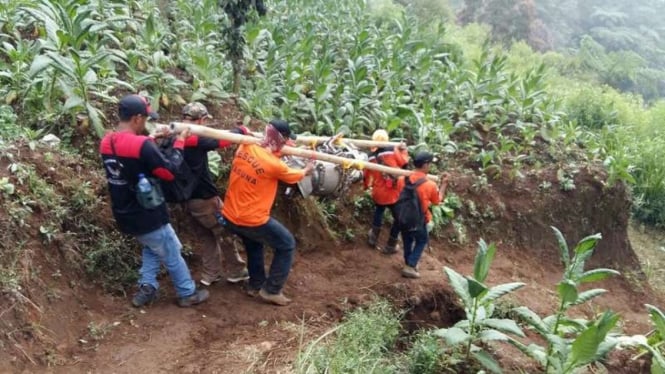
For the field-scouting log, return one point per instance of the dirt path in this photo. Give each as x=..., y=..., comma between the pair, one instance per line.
x=234, y=333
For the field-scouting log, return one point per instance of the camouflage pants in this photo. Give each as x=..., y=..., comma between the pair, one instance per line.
x=217, y=249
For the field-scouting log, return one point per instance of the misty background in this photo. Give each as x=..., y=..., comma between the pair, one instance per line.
x=620, y=43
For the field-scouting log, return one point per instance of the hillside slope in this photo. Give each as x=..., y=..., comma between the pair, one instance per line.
x=60, y=315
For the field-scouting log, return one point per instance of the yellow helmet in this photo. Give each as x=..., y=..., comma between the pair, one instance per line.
x=380, y=135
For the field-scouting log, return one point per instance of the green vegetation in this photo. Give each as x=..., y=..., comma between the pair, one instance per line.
x=479, y=303
x=507, y=100
x=361, y=342
x=366, y=341
x=356, y=65
x=572, y=343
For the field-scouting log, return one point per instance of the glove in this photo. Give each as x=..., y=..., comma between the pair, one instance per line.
x=242, y=130
x=430, y=226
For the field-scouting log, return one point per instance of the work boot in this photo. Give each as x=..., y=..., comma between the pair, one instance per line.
x=238, y=276
x=207, y=280
x=251, y=292
x=196, y=298
x=277, y=299
x=146, y=295
x=373, y=236
x=391, y=247
x=410, y=272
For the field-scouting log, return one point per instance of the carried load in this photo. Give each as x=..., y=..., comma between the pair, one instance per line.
x=339, y=163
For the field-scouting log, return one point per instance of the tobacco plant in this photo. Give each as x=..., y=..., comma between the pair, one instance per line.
x=571, y=343
x=479, y=302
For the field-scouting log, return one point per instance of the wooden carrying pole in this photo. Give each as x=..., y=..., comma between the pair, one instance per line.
x=304, y=153
x=314, y=140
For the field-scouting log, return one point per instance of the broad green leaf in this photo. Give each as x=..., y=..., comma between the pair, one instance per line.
x=476, y=289
x=563, y=247
x=567, y=291
x=459, y=284
x=588, y=243
x=90, y=77
x=38, y=65
x=96, y=119
x=532, y=319
x=73, y=102
x=657, y=360
x=500, y=290
x=532, y=350
x=584, y=348
x=487, y=361
x=607, y=322
x=453, y=335
x=597, y=275
x=585, y=296
x=658, y=319
x=483, y=261
x=504, y=325
x=492, y=335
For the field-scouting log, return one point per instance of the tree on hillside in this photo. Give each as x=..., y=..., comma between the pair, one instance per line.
x=238, y=11
x=510, y=20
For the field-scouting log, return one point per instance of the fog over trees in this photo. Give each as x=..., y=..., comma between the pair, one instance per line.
x=621, y=42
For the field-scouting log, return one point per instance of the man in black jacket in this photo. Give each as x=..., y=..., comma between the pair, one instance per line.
x=126, y=155
x=205, y=203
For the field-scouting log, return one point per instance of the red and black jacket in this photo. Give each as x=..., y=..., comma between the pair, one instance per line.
x=125, y=156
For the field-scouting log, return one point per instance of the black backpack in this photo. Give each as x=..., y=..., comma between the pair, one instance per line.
x=182, y=187
x=407, y=211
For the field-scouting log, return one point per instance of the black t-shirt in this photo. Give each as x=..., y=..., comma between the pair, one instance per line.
x=125, y=156
x=196, y=157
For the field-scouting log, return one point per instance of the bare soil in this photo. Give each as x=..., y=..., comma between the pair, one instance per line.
x=71, y=325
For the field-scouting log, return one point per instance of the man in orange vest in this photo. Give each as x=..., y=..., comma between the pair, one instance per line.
x=255, y=173
x=428, y=194
x=384, y=188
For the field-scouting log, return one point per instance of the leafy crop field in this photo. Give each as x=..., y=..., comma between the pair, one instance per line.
x=493, y=106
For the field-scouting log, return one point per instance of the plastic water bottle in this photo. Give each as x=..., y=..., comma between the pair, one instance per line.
x=220, y=219
x=144, y=184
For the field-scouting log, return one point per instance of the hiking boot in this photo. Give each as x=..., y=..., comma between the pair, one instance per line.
x=207, y=280
x=238, y=276
x=410, y=272
x=252, y=292
x=146, y=295
x=196, y=298
x=373, y=236
x=391, y=247
x=277, y=299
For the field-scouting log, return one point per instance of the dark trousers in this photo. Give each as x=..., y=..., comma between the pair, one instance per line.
x=378, y=219
x=280, y=239
x=414, y=244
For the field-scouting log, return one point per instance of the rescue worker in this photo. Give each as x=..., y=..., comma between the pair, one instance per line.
x=384, y=189
x=205, y=203
x=130, y=158
x=428, y=194
x=255, y=173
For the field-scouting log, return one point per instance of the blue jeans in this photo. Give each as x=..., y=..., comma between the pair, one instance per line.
x=378, y=219
x=283, y=243
x=163, y=246
x=414, y=244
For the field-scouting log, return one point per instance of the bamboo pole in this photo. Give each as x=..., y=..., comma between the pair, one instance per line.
x=315, y=140
x=300, y=152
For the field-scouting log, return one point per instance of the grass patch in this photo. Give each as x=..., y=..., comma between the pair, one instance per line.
x=360, y=344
